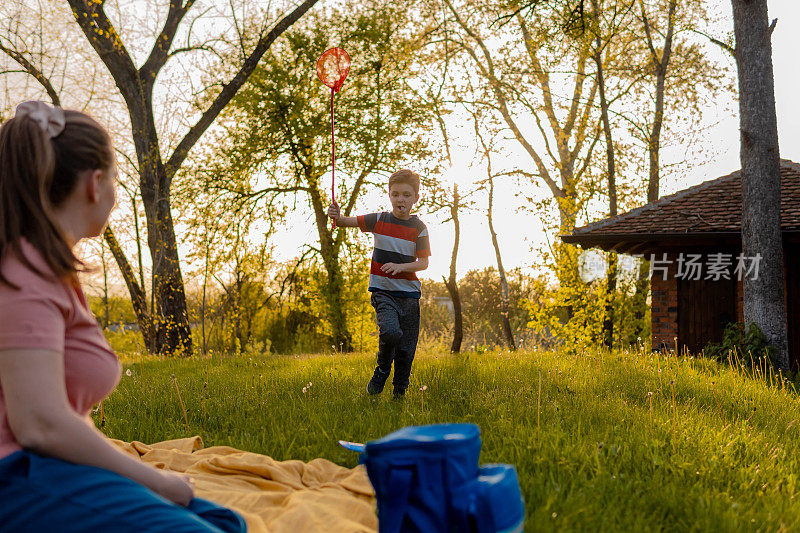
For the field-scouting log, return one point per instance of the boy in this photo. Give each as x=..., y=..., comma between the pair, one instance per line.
x=401, y=249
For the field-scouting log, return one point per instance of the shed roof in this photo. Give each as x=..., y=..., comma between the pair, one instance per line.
x=704, y=215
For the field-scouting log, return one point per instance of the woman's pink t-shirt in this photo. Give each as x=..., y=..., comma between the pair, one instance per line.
x=46, y=314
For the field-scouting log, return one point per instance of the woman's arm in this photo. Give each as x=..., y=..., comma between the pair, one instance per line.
x=42, y=420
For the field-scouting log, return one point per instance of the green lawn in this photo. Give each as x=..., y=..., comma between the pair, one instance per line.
x=711, y=449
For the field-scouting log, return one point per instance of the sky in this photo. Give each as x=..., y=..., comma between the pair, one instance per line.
x=520, y=232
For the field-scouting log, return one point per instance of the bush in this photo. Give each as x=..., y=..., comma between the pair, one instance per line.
x=748, y=346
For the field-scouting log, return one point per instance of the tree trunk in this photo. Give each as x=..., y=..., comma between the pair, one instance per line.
x=138, y=240
x=203, y=303
x=334, y=291
x=451, y=283
x=654, y=152
x=611, y=290
x=764, y=298
x=509, y=334
x=104, y=264
x=174, y=333
x=340, y=335
x=640, y=299
x=661, y=67
x=138, y=297
x=611, y=274
x=237, y=306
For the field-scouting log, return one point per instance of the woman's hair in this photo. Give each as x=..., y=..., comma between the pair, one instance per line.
x=41, y=154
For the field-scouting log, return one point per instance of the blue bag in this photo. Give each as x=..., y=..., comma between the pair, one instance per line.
x=427, y=480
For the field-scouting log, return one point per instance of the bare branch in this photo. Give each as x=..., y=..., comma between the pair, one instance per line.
x=230, y=88
x=160, y=52
x=725, y=46
x=34, y=72
x=192, y=48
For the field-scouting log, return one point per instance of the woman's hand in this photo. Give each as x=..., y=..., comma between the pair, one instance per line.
x=175, y=487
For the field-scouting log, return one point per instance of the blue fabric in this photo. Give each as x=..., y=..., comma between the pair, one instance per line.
x=498, y=489
x=45, y=494
x=419, y=474
x=426, y=479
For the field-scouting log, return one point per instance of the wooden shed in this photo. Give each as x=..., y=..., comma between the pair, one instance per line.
x=693, y=238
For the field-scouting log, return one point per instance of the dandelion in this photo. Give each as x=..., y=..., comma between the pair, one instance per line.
x=128, y=373
x=305, y=389
x=423, y=388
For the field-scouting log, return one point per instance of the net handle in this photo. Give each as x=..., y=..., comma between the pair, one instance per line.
x=333, y=158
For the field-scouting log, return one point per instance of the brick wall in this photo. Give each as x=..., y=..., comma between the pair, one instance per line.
x=664, y=314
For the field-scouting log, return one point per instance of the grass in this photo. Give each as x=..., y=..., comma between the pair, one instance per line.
x=622, y=441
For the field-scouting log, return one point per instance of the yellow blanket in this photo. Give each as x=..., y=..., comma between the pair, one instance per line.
x=272, y=496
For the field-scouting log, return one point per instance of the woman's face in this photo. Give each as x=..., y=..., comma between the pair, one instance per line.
x=107, y=198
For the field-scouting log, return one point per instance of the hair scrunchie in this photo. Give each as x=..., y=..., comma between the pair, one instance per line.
x=50, y=119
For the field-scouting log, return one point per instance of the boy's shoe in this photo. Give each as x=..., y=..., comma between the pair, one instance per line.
x=375, y=385
x=398, y=394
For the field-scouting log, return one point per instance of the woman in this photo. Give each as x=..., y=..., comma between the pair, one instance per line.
x=57, y=472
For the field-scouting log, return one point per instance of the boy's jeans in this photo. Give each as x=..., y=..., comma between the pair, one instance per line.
x=398, y=325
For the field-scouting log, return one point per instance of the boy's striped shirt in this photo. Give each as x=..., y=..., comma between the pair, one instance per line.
x=396, y=241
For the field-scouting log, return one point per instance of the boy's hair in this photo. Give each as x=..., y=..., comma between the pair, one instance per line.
x=409, y=177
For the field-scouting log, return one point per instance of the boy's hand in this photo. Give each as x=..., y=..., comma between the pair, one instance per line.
x=333, y=211
x=393, y=268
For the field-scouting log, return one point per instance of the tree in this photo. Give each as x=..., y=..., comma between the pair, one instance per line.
x=136, y=85
x=276, y=143
x=504, y=299
x=600, y=45
x=508, y=83
x=450, y=282
x=764, y=297
x=440, y=198
x=661, y=64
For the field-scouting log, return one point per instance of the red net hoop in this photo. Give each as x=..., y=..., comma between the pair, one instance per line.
x=333, y=67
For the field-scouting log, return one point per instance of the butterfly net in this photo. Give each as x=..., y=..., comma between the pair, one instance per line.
x=333, y=67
